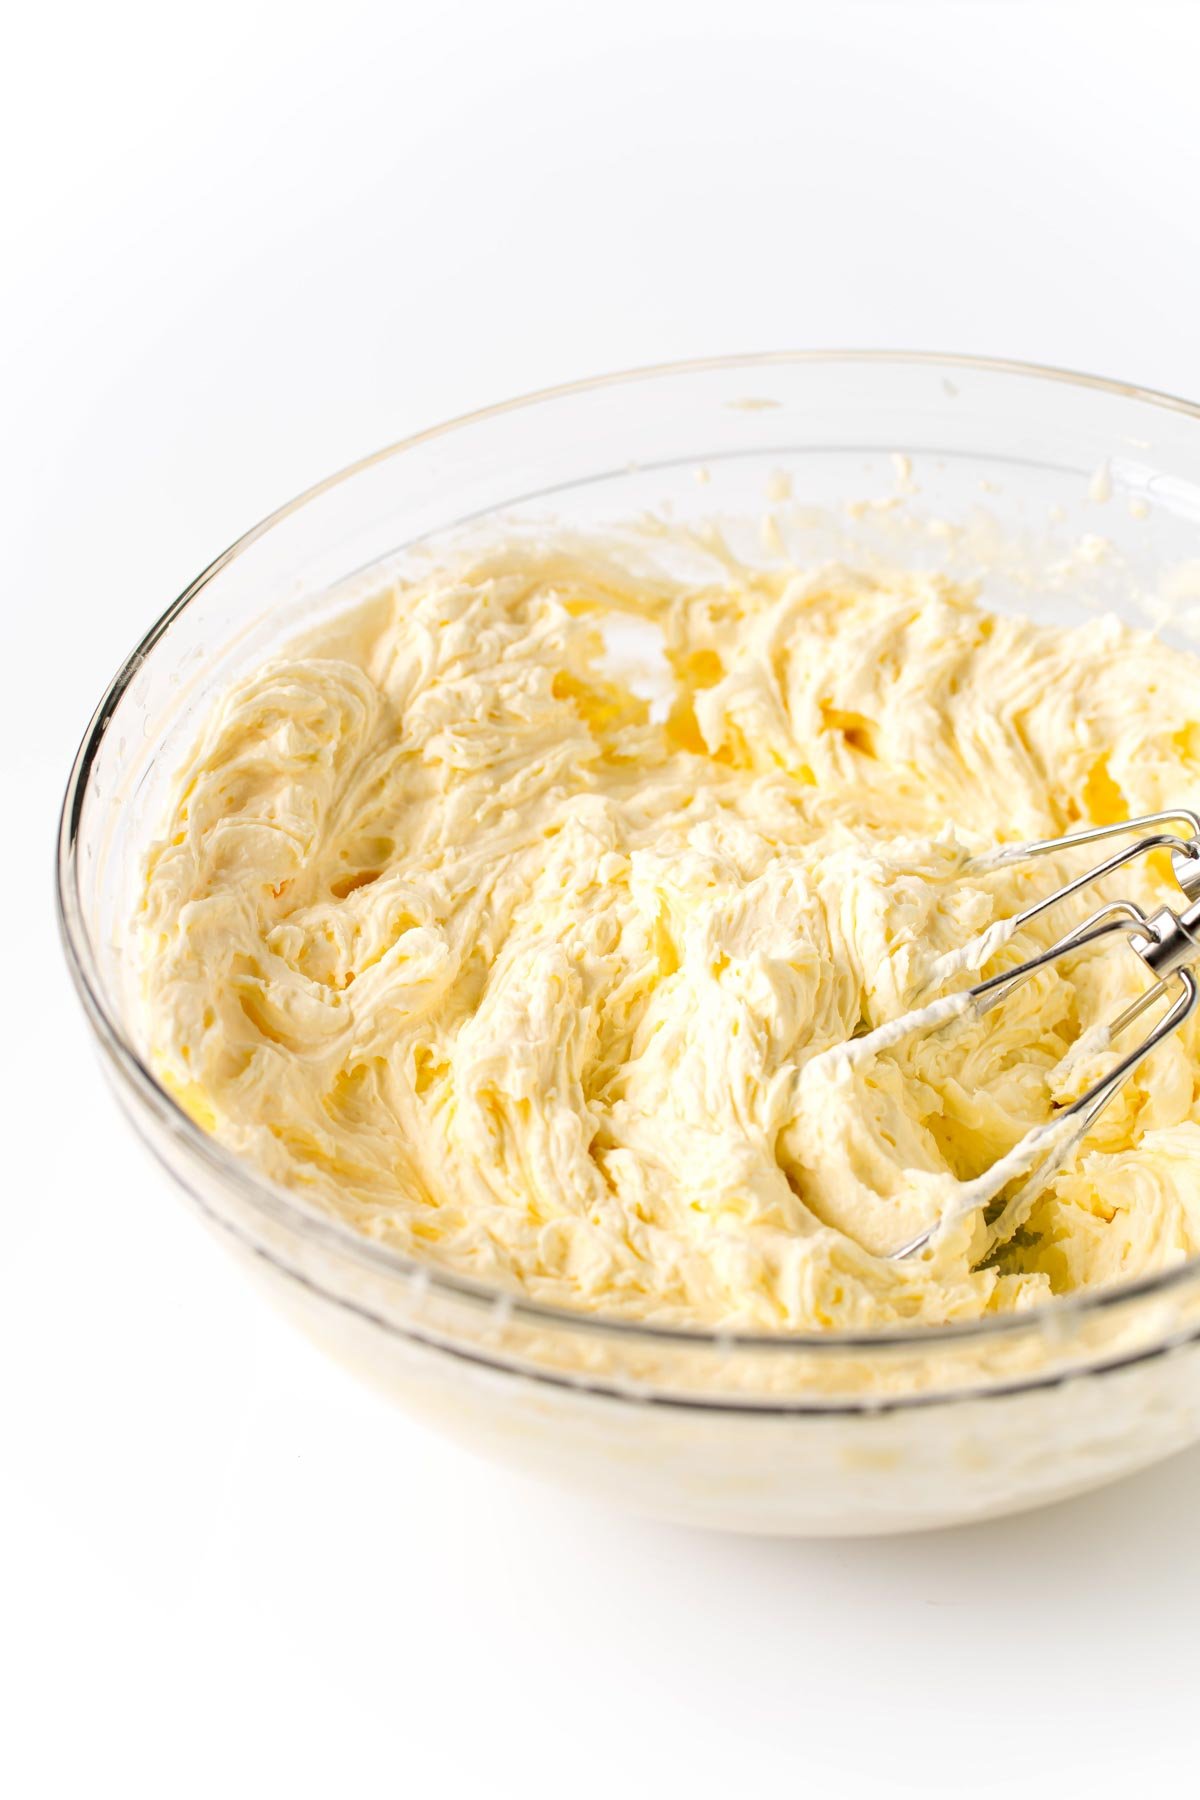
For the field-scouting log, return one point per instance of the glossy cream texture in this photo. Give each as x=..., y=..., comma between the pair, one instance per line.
x=456, y=935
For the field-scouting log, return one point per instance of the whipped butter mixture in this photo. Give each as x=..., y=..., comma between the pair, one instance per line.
x=457, y=936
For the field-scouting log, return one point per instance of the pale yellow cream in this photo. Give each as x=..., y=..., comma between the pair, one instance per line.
x=455, y=935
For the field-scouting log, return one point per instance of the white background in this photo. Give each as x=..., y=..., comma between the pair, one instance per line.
x=244, y=244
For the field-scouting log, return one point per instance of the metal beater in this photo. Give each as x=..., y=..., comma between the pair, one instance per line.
x=1167, y=941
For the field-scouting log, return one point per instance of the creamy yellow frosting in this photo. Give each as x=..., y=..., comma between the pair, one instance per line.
x=526, y=973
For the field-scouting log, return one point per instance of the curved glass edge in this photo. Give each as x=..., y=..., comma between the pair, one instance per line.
x=289, y=1210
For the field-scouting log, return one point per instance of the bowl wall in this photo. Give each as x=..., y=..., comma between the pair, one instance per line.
x=1062, y=496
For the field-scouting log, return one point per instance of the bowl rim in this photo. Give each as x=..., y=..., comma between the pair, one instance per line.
x=290, y=1209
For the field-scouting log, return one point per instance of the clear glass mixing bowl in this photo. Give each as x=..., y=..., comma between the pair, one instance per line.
x=1067, y=493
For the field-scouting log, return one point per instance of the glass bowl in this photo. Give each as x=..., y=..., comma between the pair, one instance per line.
x=1066, y=493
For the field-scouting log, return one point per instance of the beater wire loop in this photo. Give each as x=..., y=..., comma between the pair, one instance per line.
x=1167, y=942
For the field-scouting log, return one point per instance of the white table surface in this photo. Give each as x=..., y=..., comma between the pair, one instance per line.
x=244, y=244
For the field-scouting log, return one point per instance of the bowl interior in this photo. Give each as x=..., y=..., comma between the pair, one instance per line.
x=1060, y=496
